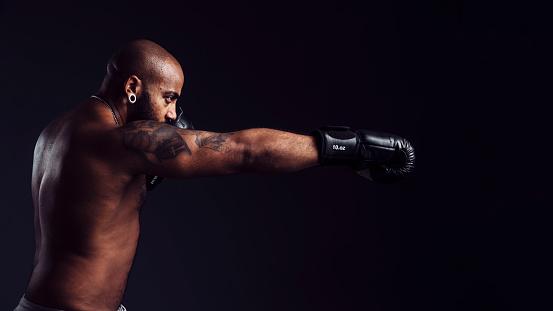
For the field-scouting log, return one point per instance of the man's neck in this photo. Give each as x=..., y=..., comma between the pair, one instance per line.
x=118, y=107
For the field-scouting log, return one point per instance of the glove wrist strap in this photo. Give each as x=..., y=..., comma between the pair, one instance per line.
x=337, y=145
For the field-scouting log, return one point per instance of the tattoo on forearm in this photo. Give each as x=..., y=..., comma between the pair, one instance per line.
x=150, y=138
x=214, y=141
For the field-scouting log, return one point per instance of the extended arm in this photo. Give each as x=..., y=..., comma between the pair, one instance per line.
x=165, y=150
x=160, y=149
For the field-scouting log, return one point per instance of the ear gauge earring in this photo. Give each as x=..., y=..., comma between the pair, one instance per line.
x=132, y=98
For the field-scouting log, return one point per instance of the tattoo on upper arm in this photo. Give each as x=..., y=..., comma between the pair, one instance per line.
x=150, y=138
x=214, y=141
x=158, y=141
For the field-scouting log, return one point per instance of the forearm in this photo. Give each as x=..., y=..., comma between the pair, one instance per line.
x=273, y=151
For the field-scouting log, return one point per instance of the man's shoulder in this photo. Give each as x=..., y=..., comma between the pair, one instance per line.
x=85, y=128
x=94, y=129
x=82, y=118
x=52, y=130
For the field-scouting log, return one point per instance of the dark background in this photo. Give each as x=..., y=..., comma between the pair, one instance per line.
x=467, y=82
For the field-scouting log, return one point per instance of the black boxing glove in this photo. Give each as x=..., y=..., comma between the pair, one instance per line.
x=182, y=121
x=380, y=157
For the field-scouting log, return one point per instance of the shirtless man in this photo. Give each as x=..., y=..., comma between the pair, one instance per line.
x=90, y=164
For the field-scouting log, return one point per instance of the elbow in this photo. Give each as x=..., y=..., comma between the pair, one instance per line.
x=251, y=158
x=248, y=160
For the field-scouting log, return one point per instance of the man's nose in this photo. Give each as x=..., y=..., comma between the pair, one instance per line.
x=171, y=113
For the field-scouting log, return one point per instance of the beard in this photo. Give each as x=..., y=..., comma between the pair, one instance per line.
x=143, y=109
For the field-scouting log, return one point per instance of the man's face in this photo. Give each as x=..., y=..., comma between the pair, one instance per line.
x=158, y=99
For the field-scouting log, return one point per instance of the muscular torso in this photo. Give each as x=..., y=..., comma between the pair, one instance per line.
x=86, y=214
x=88, y=187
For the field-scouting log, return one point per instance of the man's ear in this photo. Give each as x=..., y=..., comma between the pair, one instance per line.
x=133, y=85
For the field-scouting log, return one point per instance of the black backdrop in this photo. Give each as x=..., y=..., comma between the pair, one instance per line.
x=467, y=82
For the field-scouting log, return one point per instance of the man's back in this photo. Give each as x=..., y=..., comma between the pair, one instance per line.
x=86, y=213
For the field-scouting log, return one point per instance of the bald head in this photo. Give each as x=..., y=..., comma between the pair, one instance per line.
x=143, y=82
x=143, y=58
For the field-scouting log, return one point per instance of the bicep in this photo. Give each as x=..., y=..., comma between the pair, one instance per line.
x=160, y=149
